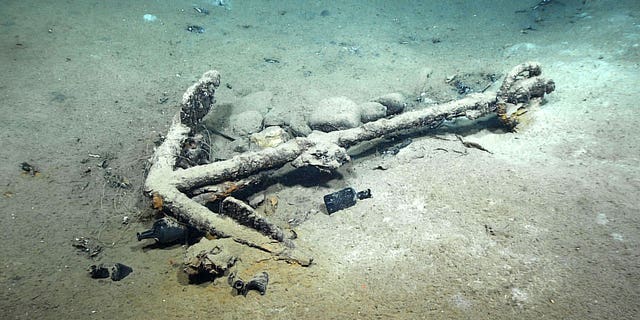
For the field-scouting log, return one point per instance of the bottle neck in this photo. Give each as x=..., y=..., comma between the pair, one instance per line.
x=149, y=234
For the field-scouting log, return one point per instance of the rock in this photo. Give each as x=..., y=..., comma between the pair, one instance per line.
x=333, y=114
x=269, y=137
x=292, y=122
x=99, y=271
x=119, y=271
x=246, y=123
x=372, y=111
x=273, y=118
x=239, y=145
x=260, y=101
x=299, y=128
x=395, y=102
x=256, y=199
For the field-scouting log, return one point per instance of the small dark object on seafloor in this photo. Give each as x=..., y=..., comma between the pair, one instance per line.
x=236, y=283
x=258, y=283
x=366, y=194
x=27, y=168
x=195, y=29
x=344, y=198
x=165, y=231
x=98, y=272
x=201, y=10
x=271, y=60
x=462, y=88
x=119, y=271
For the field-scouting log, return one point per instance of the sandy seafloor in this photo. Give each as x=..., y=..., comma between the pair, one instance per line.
x=546, y=227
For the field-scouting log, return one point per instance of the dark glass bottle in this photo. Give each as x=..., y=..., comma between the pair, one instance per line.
x=166, y=230
x=344, y=198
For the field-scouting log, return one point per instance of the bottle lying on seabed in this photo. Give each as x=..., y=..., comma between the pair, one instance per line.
x=344, y=198
x=165, y=231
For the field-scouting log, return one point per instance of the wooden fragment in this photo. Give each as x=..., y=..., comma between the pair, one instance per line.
x=245, y=215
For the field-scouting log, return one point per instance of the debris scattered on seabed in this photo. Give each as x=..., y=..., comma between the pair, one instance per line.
x=259, y=283
x=203, y=11
x=117, y=271
x=195, y=29
x=29, y=169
